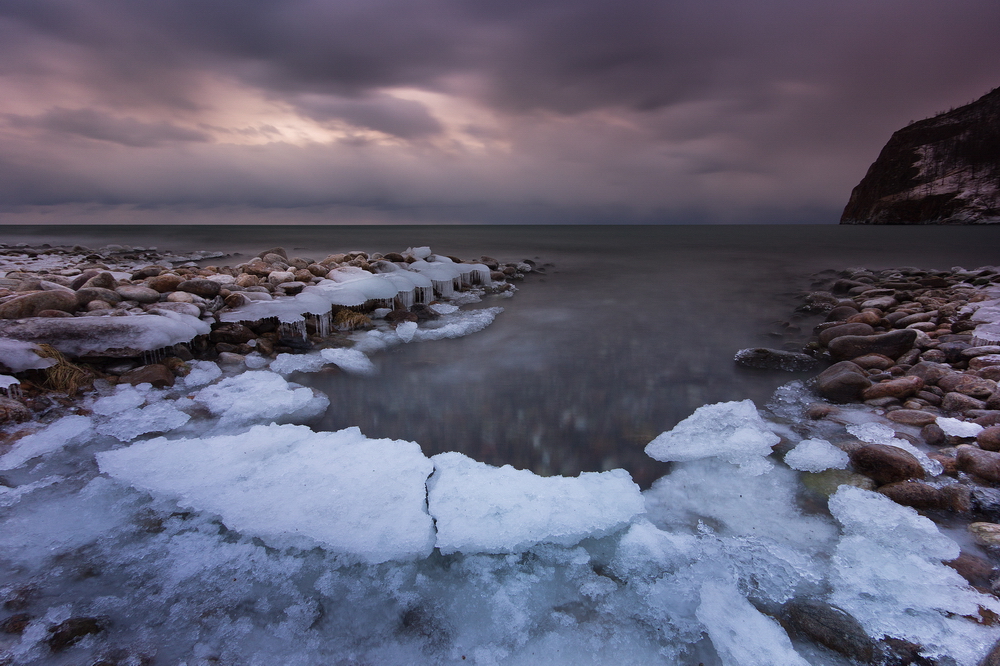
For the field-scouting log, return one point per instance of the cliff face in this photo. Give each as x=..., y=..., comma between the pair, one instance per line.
x=943, y=170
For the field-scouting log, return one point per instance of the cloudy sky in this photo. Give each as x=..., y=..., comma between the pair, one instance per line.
x=450, y=111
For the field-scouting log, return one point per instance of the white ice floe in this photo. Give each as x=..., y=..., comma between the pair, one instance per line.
x=816, y=455
x=957, y=428
x=155, y=418
x=888, y=572
x=731, y=431
x=67, y=430
x=259, y=396
x=350, y=361
x=290, y=486
x=483, y=509
x=201, y=373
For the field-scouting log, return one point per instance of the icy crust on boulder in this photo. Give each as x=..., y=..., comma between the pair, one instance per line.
x=816, y=455
x=731, y=431
x=79, y=336
x=351, y=361
x=957, y=428
x=888, y=572
x=879, y=433
x=453, y=325
x=19, y=356
x=479, y=508
x=294, y=487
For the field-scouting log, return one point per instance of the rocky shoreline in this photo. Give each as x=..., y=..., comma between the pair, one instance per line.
x=910, y=393
x=48, y=353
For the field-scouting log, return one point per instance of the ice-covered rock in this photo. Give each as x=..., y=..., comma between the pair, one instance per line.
x=731, y=431
x=483, y=509
x=79, y=336
x=879, y=433
x=19, y=356
x=816, y=455
x=957, y=428
x=363, y=498
x=351, y=361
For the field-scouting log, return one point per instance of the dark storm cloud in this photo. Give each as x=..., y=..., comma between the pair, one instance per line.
x=99, y=126
x=692, y=107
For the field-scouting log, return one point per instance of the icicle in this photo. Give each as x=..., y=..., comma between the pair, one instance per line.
x=293, y=329
x=11, y=386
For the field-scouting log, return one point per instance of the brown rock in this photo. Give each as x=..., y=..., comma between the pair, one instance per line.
x=989, y=438
x=973, y=460
x=164, y=283
x=101, y=281
x=82, y=278
x=980, y=362
x=917, y=494
x=933, y=434
x=15, y=624
x=912, y=417
x=948, y=464
x=87, y=294
x=841, y=313
x=970, y=385
x=829, y=626
x=870, y=318
x=31, y=304
x=234, y=334
x=956, y=497
x=200, y=287
x=988, y=534
x=12, y=411
x=886, y=464
x=819, y=410
x=842, y=382
x=874, y=361
x=53, y=313
x=844, y=329
x=959, y=402
x=148, y=272
x=280, y=251
x=991, y=418
x=915, y=319
x=67, y=633
x=138, y=293
x=976, y=570
x=892, y=344
x=900, y=388
x=930, y=372
x=156, y=374
x=989, y=372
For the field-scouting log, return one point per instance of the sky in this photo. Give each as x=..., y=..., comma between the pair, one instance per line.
x=468, y=111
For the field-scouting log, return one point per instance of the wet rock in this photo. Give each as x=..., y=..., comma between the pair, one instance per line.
x=148, y=272
x=829, y=626
x=842, y=382
x=900, y=388
x=156, y=374
x=775, y=359
x=987, y=534
x=103, y=280
x=200, y=287
x=989, y=372
x=959, y=402
x=844, y=329
x=913, y=493
x=280, y=251
x=956, y=497
x=231, y=358
x=15, y=624
x=929, y=371
x=138, y=293
x=980, y=362
x=919, y=317
x=31, y=304
x=952, y=350
x=988, y=419
x=86, y=295
x=67, y=633
x=989, y=438
x=986, y=501
x=970, y=385
x=82, y=278
x=182, y=308
x=892, y=344
x=886, y=464
x=934, y=356
x=292, y=288
x=880, y=303
x=974, y=569
x=53, y=313
x=975, y=461
x=933, y=434
x=912, y=417
x=164, y=283
x=841, y=313
x=399, y=315
x=13, y=411
x=874, y=361
x=819, y=410
x=870, y=318
x=232, y=333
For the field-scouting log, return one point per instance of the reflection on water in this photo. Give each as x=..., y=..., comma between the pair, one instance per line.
x=629, y=330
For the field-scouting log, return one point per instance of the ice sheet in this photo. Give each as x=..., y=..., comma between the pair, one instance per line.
x=483, y=509
x=290, y=486
x=56, y=435
x=259, y=396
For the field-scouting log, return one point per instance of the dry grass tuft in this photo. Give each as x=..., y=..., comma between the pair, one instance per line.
x=64, y=376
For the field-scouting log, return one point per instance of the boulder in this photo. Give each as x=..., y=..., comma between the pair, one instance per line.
x=886, y=464
x=870, y=318
x=900, y=388
x=841, y=313
x=87, y=294
x=892, y=344
x=844, y=329
x=234, y=334
x=775, y=359
x=975, y=461
x=156, y=374
x=829, y=626
x=876, y=361
x=917, y=318
x=200, y=287
x=138, y=293
x=985, y=361
x=842, y=382
x=31, y=304
x=959, y=402
x=101, y=281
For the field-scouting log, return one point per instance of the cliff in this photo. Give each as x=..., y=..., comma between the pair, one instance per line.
x=942, y=170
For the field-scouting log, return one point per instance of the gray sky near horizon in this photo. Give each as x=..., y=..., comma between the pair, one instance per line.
x=448, y=111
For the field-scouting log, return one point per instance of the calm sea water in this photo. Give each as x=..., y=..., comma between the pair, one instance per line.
x=629, y=330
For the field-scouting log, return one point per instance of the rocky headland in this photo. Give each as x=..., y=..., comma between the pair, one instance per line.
x=942, y=170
